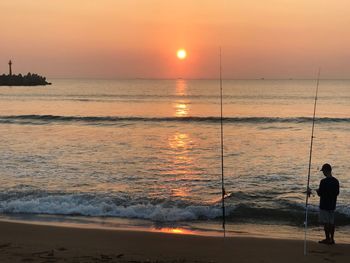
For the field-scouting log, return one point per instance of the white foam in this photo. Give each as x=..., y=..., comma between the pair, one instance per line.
x=344, y=209
x=80, y=205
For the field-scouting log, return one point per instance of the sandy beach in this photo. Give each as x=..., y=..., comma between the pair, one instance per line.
x=139, y=131
x=39, y=243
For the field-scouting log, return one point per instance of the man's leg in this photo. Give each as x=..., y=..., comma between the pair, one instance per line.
x=331, y=231
x=324, y=219
x=327, y=231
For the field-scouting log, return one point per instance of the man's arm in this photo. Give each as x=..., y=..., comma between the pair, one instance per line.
x=320, y=189
x=337, y=192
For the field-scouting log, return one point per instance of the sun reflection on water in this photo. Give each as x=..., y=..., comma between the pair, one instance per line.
x=180, y=163
x=181, y=106
x=181, y=109
x=181, y=87
x=179, y=141
x=179, y=231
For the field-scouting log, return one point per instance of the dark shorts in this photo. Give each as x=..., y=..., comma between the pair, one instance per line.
x=326, y=216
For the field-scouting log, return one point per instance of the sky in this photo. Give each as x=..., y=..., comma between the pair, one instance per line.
x=140, y=38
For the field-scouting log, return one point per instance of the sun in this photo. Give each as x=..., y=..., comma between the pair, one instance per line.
x=181, y=54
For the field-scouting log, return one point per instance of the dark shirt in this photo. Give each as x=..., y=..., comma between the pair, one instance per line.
x=328, y=192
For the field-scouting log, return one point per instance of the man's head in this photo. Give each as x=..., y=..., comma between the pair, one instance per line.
x=327, y=169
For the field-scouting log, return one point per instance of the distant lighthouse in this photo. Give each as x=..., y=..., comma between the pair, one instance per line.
x=10, y=68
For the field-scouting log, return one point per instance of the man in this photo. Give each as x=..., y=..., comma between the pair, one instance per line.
x=328, y=192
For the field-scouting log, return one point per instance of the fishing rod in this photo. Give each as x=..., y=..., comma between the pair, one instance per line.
x=222, y=156
x=308, y=191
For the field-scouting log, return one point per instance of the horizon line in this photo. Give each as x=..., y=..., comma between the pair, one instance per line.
x=149, y=78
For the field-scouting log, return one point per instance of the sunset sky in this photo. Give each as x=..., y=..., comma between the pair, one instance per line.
x=140, y=38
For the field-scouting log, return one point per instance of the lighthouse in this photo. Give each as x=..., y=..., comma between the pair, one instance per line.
x=10, y=68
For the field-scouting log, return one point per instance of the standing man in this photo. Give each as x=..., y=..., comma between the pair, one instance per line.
x=328, y=192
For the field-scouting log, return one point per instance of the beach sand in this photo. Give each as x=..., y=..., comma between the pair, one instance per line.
x=20, y=242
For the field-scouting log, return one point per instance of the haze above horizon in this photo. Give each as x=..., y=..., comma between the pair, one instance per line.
x=272, y=39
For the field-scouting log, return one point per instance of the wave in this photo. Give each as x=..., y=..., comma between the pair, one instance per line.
x=46, y=119
x=157, y=210
x=87, y=205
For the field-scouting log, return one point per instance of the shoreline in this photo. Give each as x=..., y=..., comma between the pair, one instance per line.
x=35, y=243
x=270, y=230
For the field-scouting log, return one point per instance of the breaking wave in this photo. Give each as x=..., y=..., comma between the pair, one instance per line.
x=89, y=205
x=47, y=119
x=157, y=210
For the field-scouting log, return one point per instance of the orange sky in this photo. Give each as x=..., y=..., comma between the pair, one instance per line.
x=139, y=38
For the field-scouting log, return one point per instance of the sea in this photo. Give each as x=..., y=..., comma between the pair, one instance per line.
x=147, y=153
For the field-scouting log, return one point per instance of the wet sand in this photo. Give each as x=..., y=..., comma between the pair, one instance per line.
x=38, y=243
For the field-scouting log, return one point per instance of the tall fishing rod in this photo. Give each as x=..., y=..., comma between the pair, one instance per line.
x=222, y=156
x=308, y=192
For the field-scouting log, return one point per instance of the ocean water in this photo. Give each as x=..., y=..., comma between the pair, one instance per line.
x=150, y=149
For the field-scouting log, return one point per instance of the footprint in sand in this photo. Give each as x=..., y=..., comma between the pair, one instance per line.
x=5, y=245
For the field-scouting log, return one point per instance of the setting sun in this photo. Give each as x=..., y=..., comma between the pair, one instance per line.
x=181, y=54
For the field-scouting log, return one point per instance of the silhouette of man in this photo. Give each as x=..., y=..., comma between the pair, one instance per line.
x=328, y=192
